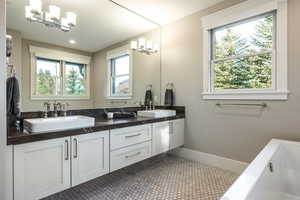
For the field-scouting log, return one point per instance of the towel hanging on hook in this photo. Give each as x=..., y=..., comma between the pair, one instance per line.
x=169, y=94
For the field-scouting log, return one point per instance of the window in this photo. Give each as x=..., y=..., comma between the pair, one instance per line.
x=57, y=78
x=75, y=79
x=242, y=51
x=242, y=54
x=47, y=77
x=119, y=74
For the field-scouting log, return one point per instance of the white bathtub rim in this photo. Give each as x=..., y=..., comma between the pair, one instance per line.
x=245, y=183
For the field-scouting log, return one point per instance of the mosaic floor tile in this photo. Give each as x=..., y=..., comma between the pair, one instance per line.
x=161, y=178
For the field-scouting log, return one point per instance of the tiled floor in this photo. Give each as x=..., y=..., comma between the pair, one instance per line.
x=161, y=178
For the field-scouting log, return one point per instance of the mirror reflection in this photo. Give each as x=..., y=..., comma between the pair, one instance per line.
x=60, y=52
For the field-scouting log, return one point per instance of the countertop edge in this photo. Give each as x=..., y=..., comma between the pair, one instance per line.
x=28, y=138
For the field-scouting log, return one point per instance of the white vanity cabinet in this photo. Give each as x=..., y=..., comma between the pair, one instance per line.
x=47, y=167
x=160, y=138
x=90, y=156
x=41, y=168
x=176, y=133
x=167, y=136
x=129, y=145
x=50, y=166
x=129, y=155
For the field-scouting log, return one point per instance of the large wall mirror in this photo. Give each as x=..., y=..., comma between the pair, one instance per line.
x=91, y=54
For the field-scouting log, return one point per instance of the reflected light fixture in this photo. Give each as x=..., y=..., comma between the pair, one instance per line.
x=52, y=18
x=144, y=46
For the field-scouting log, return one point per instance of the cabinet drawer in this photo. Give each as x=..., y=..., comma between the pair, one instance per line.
x=128, y=136
x=129, y=155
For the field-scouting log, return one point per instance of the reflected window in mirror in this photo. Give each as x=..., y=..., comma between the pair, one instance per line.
x=75, y=79
x=61, y=78
x=48, y=75
x=120, y=75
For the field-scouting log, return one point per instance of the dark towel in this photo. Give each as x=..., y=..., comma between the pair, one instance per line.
x=12, y=96
x=148, y=97
x=169, y=97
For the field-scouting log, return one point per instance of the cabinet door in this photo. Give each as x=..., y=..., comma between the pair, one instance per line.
x=176, y=133
x=90, y=156
x=160, y=138
x=41, y=168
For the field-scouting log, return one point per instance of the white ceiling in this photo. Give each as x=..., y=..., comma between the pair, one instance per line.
x=166, y=11
x=101, y=23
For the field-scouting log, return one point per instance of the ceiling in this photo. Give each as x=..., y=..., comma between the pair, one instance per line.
x=166, y=11
x=101, y=23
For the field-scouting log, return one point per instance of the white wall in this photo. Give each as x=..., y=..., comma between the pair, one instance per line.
x=235, y=133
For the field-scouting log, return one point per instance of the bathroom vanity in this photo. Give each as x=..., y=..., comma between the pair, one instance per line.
x=68, y=83
x=49, y=162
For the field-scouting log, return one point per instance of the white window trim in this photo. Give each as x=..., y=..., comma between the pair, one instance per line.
x=57, y=55
x=242, y=11
x=118, y=52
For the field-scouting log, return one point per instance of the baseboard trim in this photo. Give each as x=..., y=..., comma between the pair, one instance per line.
x=212, y=160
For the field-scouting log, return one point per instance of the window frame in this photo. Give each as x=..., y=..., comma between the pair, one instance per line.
x=242, y=13
x=114, y=54
x=63, y=57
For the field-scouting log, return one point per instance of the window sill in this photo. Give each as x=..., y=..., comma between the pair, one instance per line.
x=263, y=95
x=119, y=98
x=61, y=98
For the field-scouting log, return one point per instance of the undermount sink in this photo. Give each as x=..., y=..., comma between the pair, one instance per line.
x=156, y=113
x=58, y=123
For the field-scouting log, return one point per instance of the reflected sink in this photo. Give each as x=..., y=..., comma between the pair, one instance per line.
x=58, y=123
x=156, y=113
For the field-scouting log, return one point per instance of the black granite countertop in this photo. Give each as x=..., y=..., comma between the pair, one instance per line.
x=20, y=137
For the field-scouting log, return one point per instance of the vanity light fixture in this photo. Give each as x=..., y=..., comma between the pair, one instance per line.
x=144, y=46
x=52, y=18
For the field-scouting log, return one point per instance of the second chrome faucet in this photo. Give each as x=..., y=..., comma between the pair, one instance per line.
x=57, y=108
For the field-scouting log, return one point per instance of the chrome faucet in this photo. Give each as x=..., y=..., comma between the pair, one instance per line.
x=46, y=109
x=56, y=108
x=151, y=106
x=64, y=108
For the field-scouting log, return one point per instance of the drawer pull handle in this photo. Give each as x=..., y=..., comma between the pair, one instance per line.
x=67, y=149
x=133, y=155
x=131, y=136
x=75, y=148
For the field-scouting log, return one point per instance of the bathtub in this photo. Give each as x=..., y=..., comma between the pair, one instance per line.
x=273, y=175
